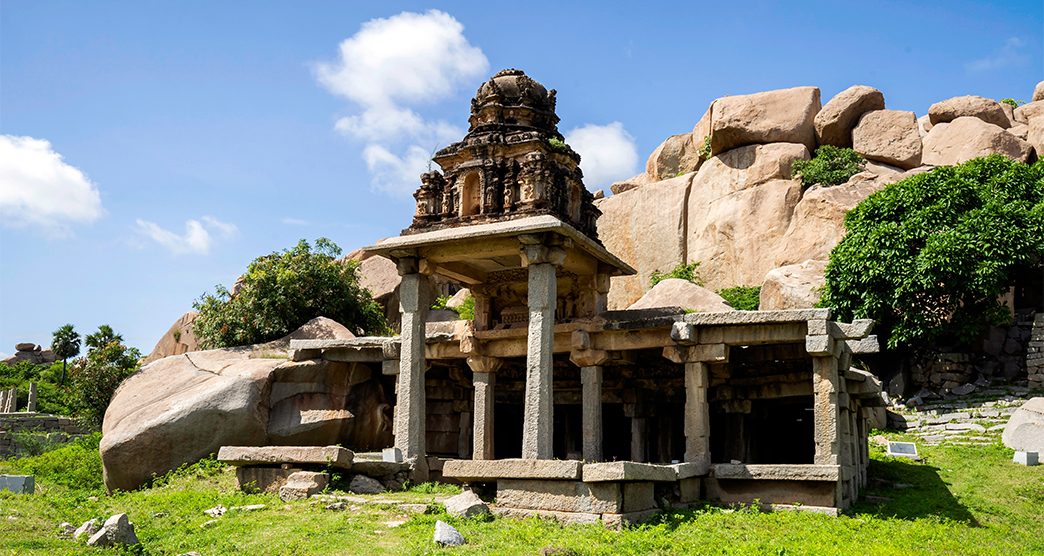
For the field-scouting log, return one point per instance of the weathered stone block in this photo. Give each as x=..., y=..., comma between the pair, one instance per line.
x=18, y=484
x=628, y=471
x=333, y=456
x=302, y=484
x=560, y=496
x=638, y=497
x=262, y=479
x=491, y=470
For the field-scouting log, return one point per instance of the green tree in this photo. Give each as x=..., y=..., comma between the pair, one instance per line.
x=284, y=290
x=103, y=337
x=929, y=256
x=96, y=377
x=65, y=343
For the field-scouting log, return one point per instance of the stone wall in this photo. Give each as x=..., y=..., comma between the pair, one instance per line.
x=1035, y=354
x=56, y=428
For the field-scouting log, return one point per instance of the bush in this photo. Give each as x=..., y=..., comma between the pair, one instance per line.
x=683, y=272
x=50, y=397
x=284, y=290
x=1014, y=103
x=743, y=298
x=929, y=256
x=704, y=150
x=96, y=377
x=831, y=166
x=74, y=465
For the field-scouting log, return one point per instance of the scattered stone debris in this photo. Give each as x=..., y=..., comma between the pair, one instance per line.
x=117, y=530
x=208, y=524
x=337, y=506
x=466, y=504
x=416, y=508
x=361, y=484
x=394, y=523
x=446, y=535
x=216, y=511
x=66, y=530
x=248, y=508
x=158, y=515
x=302, y=484
x=88, y=528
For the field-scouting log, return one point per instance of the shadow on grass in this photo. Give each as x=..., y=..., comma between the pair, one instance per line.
x=908, y=490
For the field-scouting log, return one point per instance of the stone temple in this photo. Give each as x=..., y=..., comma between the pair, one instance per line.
x=566, y=410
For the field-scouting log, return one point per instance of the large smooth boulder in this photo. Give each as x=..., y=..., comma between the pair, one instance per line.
x=888, y=136
x=1032, y=117
x=378, y=275
x=674, y=292
x=966, y=138
x=1038, y=92
x=179, y=338
x=677, y=155
x=834, y=123
x=985, y=109
x=1025, y=428
x=182, y=408
x=646, y=228
x=797, y=286
x=739, y=207
x=818, y=221
x=780, y=116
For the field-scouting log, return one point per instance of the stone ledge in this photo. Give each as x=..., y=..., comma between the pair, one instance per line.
x=796, y=472
x=628, y=471
x=490, y=470
x=756, y=317
x=333, y=456
x=690, y=469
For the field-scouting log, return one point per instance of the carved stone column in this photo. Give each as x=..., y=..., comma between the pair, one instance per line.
x=697, y=411
x=484, y=378
x=542, y=261
x=410, y=410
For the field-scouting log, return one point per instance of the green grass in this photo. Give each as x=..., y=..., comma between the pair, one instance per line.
x=959, y=500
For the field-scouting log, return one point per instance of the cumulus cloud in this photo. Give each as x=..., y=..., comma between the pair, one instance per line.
x=40, y=190
x=607, y=153
x=1011, y=54
x=388, y=70
x=200, y=235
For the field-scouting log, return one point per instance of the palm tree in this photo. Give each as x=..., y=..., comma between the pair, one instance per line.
x=103, y=337
x=65, y=344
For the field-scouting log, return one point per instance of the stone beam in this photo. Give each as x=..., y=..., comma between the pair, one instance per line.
x=716, y=353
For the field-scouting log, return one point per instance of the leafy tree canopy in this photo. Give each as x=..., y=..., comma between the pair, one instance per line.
x=283, y=290
x=96, y=376
x=103, y=337
x=929, y=256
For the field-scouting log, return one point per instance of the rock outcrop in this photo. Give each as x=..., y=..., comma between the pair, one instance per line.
x=182, y=408
x=835, y=122
x=985, y=109
x=890, y=137
x=28, y=351
x=781, y=116
x=674, y=292
x=179, y=338
x=965, y=138
x=677, y=155
x=795, y=286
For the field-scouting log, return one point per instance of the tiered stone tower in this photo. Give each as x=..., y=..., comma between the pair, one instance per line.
x=512, y=163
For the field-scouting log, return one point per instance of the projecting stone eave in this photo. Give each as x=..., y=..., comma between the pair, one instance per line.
x=396, y=247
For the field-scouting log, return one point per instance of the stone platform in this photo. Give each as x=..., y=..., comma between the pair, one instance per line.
x=270, y=468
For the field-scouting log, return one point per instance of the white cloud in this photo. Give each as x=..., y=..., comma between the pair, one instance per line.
x=1010, y=54
x=607, y=153
x=290, y=221
x=389, y=68
x=198, y=238
x=38, y=189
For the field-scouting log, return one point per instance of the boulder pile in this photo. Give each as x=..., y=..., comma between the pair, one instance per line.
x=28, y=351
x=724, y=194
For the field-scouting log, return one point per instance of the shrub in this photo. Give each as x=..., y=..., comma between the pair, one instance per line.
x=705, y=147
x=743, y=298
x=683, y=272
x=50, y=397
x=558, y=145
x=831, y=166
x=74, y=465
x=928, y=256
x=466, y=310
x=284, y=290
x=1014, y=103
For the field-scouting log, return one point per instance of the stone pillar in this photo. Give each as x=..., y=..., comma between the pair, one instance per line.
x=31, y=406
x=484, y=379
x=591, y=378
x=537, y=428
x=638, y=442
x=697, y=413
x=825, y=412
x=410, y=411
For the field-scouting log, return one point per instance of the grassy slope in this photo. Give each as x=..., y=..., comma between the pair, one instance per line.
x=960, y=500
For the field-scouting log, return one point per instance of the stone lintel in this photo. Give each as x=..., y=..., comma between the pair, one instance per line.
x=756, y=317
x=305, y=354
x=628, y=471
x=479, y=471
x=717, y=353
x=690, y=469
x=333, y=456
x=870, y=344
x=794, y=472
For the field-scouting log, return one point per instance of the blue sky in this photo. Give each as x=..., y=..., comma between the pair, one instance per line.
x=152, y=149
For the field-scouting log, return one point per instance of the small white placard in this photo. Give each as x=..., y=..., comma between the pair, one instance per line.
x=903, y=450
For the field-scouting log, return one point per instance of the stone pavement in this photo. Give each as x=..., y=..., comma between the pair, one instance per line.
x=976, y=418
